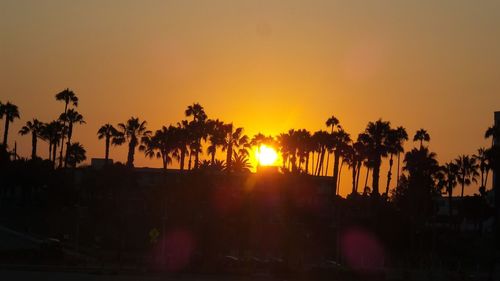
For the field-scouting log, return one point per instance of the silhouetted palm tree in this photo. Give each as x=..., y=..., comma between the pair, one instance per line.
x=340, y=140
x=234, y=139
x=216, y=137
x=76, y=154
x=70, y=118
x=68, y=97
x=34, y=128
x=395, y=142
x=375, y=140
x=52, y=133
x=240, y=164
x=450, y=171
x=484, y=167
x=422, y=135
x=182, y=139
x=467, y=171
x=198, y=127
x=331, y=123
x=111, y=136
x=160, y=145
x=10, y=112
x=133, y=131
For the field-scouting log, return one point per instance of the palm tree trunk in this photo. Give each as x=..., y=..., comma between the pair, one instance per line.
x=336, y=159
x=358, y=171
x=183, y=156
x=463, y=186
x=190, y=157
x=307, y=163
x=106, y=152
x=367, y=174
x=6, y=132
x=486, y=178
x=213, y=158
x=376, y=176
x=131, y=152
x=389, y=176
x=397, y=180
x=50, y=151
x=354, y=178
x=229, y=156
x=33, y=145
x=339, y=176
x=70, y=133
x=63, y=135
x=54, y=153
x=327, y=161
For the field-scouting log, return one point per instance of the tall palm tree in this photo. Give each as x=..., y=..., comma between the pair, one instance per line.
x=76, y=154
x=467, y=171
x=198, y=127
x=216, y=135
x=403, y=136
x=69, y=98
x=235, y=139
x=375, y=140
x=331, y=123
x=71, y=117
x=422, y=135
x=34, y=128
x=52, y=133
x=10, y=112
x=340, y=140
x=133, y=131
x=395, y=142
x=182, y=140
x=111, y=136
x=484, y=167
x=160, y=145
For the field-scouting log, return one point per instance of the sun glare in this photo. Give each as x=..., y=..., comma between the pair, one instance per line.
x=267, y=155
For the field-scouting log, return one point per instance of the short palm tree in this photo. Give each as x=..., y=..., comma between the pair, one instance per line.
x=422, y=135
x=240, y=164
x=234, y=139
x=133, y=131
x=34, y=128
x=76, y=154
x=10, y=112
x=111, y=136
x=484, y=167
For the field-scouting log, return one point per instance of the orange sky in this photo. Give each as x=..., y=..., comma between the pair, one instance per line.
x=265, y=65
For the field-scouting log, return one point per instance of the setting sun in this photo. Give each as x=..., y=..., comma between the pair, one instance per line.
x=266, y=155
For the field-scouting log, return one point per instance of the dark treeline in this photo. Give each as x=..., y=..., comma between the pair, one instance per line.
x=295, y=216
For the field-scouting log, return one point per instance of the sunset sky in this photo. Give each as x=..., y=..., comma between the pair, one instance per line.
x=265, y=65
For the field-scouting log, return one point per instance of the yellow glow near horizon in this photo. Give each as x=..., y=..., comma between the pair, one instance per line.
x=267, y=156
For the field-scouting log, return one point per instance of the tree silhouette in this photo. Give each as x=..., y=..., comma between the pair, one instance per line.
x=421, y=135
x=34, y=128
x=70, y=118
x=216, y=137
x=235, y=139
x=111, y=136
x=197, y=127
x=160, y=145
x=484, y=167
x=340, y=140
x=133, y=131
x=10, y=112
x=331, y=123
x=467, y=171
x=395, y=143
x=450, y=175
x=68, y=97
x=375, y=140
x=76, y=154
x=52, y=133
x=240, y=164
